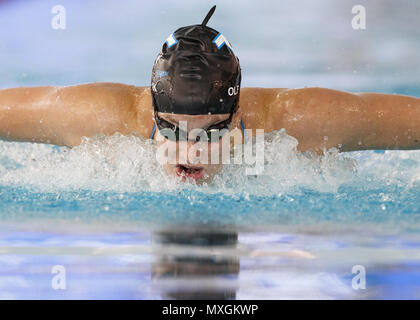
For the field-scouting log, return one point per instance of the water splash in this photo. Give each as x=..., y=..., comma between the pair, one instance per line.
x=119, y=178
x=128, y=164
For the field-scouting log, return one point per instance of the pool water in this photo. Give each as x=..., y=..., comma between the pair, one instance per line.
x=127, y=231
x=336, y=226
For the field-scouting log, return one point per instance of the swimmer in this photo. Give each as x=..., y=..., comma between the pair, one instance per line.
x=196, y=78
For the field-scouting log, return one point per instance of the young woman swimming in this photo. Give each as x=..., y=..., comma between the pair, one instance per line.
x=196, y=80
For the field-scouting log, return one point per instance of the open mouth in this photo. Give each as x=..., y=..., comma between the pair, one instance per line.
x=189, y=171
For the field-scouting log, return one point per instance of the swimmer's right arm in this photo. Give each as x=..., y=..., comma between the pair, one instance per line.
x=63, y=115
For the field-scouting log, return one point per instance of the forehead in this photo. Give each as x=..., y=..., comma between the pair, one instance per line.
x=201, y=118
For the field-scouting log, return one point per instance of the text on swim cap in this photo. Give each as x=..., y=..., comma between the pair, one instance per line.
x=233, y=91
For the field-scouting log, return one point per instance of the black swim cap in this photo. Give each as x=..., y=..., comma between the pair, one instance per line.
x=196, y=72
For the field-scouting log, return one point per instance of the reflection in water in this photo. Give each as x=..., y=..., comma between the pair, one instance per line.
x=317, y=264
x=195, y=264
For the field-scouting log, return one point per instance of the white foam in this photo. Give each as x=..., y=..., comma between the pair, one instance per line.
x=128, y=164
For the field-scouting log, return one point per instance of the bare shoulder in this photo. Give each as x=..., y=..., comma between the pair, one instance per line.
x=256, y=105
x=258, y=97
x=107, y=108
x=128, y=105
x=269, y=101
x=303, y=96
x=104, y=92
x=308, y=114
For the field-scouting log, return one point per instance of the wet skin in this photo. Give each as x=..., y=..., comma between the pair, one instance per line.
x=318, y=118
x=201, y=171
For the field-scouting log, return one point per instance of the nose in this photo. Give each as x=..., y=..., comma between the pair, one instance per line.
x=191, y=152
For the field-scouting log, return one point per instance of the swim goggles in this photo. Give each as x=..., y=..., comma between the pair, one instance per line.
x=213, y=133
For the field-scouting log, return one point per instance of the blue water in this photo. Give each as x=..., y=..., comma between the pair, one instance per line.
x=106, y=212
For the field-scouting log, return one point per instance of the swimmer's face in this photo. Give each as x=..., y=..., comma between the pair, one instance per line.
x=192, y=162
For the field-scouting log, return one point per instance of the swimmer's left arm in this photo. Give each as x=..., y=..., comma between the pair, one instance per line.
x=323, y=118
